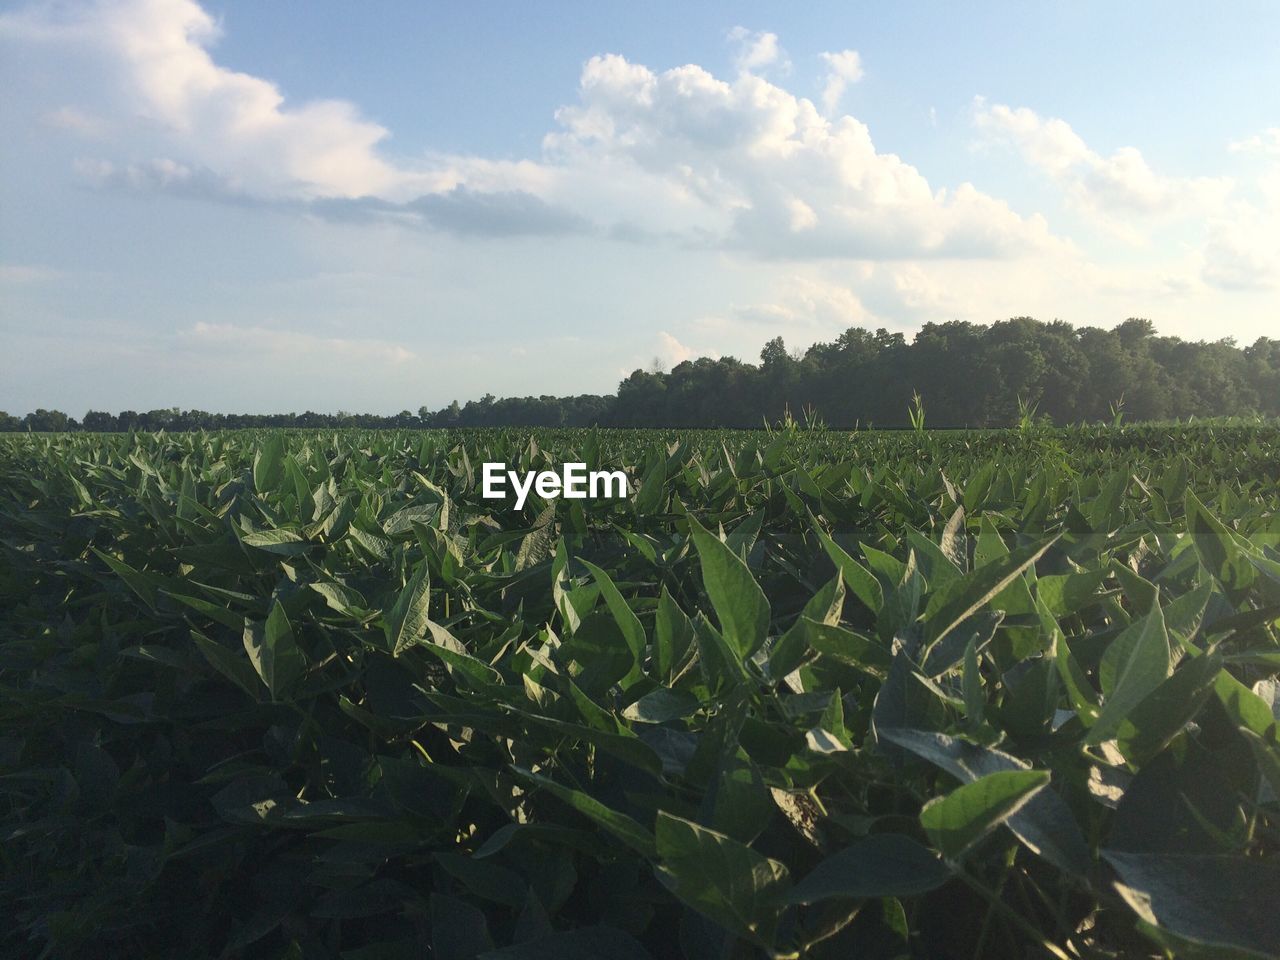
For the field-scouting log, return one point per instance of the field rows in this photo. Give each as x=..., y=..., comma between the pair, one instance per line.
x=804, y=693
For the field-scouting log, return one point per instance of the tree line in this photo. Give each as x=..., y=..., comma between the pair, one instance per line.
x=961, y=374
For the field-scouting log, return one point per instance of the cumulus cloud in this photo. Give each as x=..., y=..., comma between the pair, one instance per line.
x=1267, y=142
x=768, y=174
x=757, y=50
x=158, y=51
x=843, y=68
x=1118, y=190
x=642, y=155
x=671, y=351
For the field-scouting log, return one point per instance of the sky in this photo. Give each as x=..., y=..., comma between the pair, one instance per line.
x=242, y=206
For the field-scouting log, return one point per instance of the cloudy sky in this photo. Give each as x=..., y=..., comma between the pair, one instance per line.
x=238, y=205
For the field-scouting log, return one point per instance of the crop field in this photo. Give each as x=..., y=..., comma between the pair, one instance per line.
x=287, y=695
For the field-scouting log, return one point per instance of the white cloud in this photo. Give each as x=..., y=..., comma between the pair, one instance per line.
x=1266, y=142
x=678, y=155
x=756, y=168
x=757, y=50
x=158, y=51
x=1120, y=191
x=677, y=158
x=671, y=351
x=843, y=68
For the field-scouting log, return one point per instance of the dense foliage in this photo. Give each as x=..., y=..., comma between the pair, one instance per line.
x=967, y=375
x=908, y=695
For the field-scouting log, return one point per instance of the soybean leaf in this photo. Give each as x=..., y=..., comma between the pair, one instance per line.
x=960, y=819
x=406, y=621
x=274, y=653
x=960, y=599
x=879, y=865
x=268, y=464
x=721, y=878
x=1217, y=901
x=740, y=604
x=1133, y=666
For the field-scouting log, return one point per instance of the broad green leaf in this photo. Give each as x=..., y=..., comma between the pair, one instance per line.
x=143, y=584
x=1216, y=547
x=406, y=621
x=960, y=819
x=274, y=653
x=721, y=878
x=1045, y=824
x=1217, y=901
x=1167, y=709
x=626, y=619
x=823, y=607
x=1136, y=663
x=268, y=464
x=672, y=635
x=861, y=581
x=1067, y=593
x=960, y=599
x=740, y=604
x=879, y=865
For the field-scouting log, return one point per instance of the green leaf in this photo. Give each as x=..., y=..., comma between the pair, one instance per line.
x=459, y=931
x=1135, y=664
x=1215, y=546
x=975, y=701
x=661, y=705
x=285, y=543
x=274, y=653
x=721, y=878
x=1245, y=708
x=879, y=865
x=624, y=616
x=652, y=492
x=406, y=622
x=228, y=663
x=1067, y=593
x=143, y=584
x=824, y=607
x=861, y=581
x=962, y=598
x=1045, y=824
x=960, y=819
x=1218, y=901
x=672, y=635
x=740, y=604
x=268, y=464
x=1164, y=712
x=848, y=647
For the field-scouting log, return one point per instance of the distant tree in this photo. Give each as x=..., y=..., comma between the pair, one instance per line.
x=45, y=421
x=99, y=422
x=966, y=374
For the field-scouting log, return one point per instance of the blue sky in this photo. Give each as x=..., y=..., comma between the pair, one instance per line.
x=279, y=206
